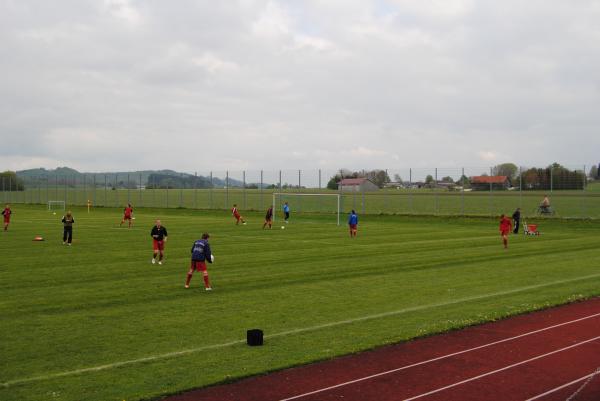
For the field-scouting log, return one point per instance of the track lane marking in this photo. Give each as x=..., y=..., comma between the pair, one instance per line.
x=561, y=387
x=502, y=369
x=293, y=331
x=439, y=358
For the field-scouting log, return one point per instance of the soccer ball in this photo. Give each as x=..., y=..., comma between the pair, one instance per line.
x=212, y=258
x=54, y=213
x=283, y=227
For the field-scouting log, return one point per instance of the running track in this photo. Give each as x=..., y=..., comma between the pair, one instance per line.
x=546, y=355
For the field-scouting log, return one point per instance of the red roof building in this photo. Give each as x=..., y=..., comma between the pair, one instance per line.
x=485, y=182
x=357, y=184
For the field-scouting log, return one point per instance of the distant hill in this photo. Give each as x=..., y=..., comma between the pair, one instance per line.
x=148, y=178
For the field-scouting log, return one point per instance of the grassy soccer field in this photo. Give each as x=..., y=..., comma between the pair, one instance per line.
x=97, y=321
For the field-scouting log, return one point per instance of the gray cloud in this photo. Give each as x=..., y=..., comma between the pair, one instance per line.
x=200, y=85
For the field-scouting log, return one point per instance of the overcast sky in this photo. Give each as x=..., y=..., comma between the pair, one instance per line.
x=111, y=85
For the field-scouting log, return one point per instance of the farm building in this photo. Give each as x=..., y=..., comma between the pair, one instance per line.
x=357, y=185
x=484, y=182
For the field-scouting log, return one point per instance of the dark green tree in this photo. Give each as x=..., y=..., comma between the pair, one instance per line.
x=10, y=182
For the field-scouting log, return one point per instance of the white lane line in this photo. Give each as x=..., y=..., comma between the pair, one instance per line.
x=502, y=369
x=440, y=357
x=561, y=387
x=294, y=331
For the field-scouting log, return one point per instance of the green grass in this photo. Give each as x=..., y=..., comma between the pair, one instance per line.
x=316, y=294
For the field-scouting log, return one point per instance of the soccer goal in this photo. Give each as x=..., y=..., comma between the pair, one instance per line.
x=56, y=205
x=306, y=202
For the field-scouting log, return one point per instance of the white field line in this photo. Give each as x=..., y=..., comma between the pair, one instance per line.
x=290, y=332
x=502, y=369
x=440, y=357
x=561, y=387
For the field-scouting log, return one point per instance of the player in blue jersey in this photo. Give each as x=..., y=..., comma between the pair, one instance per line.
x=286, y=212
x=353, y=223
x=200, y=255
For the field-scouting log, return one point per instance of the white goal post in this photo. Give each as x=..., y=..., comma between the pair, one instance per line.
x=59, y=205
x=292, y=194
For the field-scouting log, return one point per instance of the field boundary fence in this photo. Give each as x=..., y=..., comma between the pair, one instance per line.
x=573, y=192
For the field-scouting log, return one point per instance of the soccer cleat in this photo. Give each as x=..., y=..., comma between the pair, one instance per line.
x=153, y=261
x=187, y=286
x=208, y=289
x=160, y=262
x=69, y=244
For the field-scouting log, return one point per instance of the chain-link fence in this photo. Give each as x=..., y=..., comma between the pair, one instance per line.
x=571, y=192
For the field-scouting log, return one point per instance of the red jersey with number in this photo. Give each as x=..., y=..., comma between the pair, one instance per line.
x=505, y=225
x=6, y=213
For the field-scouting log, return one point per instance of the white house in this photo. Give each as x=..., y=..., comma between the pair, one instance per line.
x=357, y=185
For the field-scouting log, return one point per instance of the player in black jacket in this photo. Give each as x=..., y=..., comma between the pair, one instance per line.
x=159, y=237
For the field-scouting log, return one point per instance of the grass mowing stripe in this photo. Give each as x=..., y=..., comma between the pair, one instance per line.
x=293, y=331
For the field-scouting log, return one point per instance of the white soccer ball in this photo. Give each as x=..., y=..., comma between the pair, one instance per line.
x=283, y=227
x=212, y=258
x=54, y=213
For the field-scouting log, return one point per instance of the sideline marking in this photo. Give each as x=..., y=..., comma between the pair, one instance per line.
x=502, y=369
x=561, y=387
x=288, y=332
x=440, y=357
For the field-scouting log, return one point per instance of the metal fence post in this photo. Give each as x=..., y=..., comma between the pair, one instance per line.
x=261, y=190
x=551, y=178
x=210, y=192
x=279, y=180
x=128, y=189
x=490, y=197
x=181, y=190
x=462, y=192
x=435, y=195
x=244, y=187
x=141, y=198
x=116, y=188
x=105, y=191
x=410, y=194
x=299, y=190
x=520, y=187
x=195, y=190
x=583, y=198
x=226, y=189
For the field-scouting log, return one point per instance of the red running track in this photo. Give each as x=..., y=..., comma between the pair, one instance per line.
x=547, y=355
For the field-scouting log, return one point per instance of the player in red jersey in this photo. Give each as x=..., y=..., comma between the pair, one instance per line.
x=237, y=216
x=269, y=218
x=159, y=237
x=127, y=215
x=505, y=228
x=6, y=213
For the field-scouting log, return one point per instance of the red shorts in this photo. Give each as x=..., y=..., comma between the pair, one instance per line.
x=127, y=217
x=7, y=219
x=198, y=265
x=504, y=232
x=158, y=245
x=237, y=216
x=352, y=226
